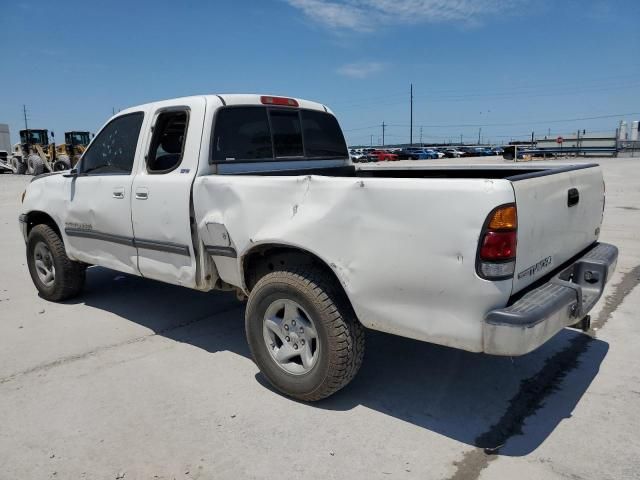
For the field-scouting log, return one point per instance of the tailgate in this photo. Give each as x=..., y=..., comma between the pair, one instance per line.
x=559, y=215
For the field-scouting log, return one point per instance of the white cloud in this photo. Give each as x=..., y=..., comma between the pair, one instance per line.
x=360, y=69
x=364, y=15
x=333, y=14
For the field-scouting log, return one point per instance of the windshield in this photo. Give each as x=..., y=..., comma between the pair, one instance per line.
x=38, y=137
x=79, y=138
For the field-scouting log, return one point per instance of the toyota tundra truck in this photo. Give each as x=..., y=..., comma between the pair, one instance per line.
x=255, y=194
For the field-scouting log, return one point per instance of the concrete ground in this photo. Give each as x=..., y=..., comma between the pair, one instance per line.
x=140, y=380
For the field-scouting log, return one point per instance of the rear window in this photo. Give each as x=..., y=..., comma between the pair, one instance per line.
x=322, y=135
x=242, y=133
x=287, y=133
x=264, y=133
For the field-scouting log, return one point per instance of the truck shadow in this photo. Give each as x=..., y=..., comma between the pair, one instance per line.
x=476, y=399
x=481, y=400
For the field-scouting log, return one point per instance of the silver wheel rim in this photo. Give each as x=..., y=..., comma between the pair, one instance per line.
x=291, y=337
x=43, y=260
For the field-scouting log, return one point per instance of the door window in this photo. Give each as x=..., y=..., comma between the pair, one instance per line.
x=114, y=149
x=167, y=144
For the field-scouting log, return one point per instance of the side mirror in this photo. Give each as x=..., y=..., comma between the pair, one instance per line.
x=73, y=173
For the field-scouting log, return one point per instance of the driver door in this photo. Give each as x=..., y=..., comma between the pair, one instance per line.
x=98, y=225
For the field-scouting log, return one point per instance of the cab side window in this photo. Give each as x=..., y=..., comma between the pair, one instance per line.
x=167, y=144
x=114, y=149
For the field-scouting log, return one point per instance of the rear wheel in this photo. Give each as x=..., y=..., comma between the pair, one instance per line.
x=55, y=276
x=303, y=334
x=35, y=165
x=62, y=163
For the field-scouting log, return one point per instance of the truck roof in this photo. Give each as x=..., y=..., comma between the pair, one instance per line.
x=233, y=99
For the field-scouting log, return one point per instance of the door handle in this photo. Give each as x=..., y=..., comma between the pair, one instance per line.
x=573, y=197
x=142, y=194
x=118, y=193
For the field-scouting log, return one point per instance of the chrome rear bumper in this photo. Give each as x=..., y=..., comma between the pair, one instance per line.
x=541, y=313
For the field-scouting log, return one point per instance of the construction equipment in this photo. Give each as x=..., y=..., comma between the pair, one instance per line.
x=68, y=153
x=30, y=154
x=35, y=155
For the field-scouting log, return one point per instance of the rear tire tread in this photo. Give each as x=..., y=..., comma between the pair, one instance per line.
x=346, y=357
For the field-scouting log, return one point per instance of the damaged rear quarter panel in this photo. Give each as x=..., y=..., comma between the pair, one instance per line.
x=403, y=249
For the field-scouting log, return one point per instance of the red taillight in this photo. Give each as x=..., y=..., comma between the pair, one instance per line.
x=498, y=246
x=287, y=102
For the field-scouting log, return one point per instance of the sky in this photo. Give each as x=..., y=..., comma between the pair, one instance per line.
x=498, y=69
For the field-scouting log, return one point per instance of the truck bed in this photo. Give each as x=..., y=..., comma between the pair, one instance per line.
x=488, y=171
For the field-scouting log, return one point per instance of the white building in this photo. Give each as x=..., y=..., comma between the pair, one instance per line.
x=635, y=131
x=5, y=138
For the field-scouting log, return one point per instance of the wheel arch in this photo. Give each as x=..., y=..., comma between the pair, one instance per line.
x=38, y=217
x=264, y=258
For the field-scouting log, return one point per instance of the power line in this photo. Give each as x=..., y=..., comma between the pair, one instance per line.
x=600, y=82
x=501, y=95
x=513, y=124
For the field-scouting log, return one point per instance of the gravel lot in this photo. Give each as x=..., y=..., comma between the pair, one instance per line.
x=140, y=380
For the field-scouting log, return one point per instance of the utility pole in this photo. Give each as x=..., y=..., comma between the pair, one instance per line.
x=383, y=127
x=26, y=126
x=460, y=139
x=371, y=140
x=420, y=136
x=479, y=134
x=411, y=123
x=578, y=142
x=532, y=135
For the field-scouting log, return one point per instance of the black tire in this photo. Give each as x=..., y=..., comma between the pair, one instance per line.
x=19, y=167
x=62, y=163
x=69, y=275
x=35, y=165
x=340, y=334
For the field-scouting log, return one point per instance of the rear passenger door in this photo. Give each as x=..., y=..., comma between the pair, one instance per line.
x=161, y=193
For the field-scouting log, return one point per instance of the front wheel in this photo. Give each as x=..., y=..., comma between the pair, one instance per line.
x=303, y=333
x=55, y=276
x=35, y=165
x=19, y=167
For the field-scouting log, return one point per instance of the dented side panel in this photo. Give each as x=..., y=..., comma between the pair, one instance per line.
x=403, y=249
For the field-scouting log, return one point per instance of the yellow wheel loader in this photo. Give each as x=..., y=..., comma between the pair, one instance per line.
x=35, y=155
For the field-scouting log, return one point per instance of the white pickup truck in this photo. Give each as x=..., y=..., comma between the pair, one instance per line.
x=256, y=194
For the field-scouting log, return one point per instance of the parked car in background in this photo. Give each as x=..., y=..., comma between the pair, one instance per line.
x=497, y=150
x=453, y=153
x=473, y=151
x=435, y=154
x=381, y=156
x=488, y=152
x=415, y=154
x=357, y=156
